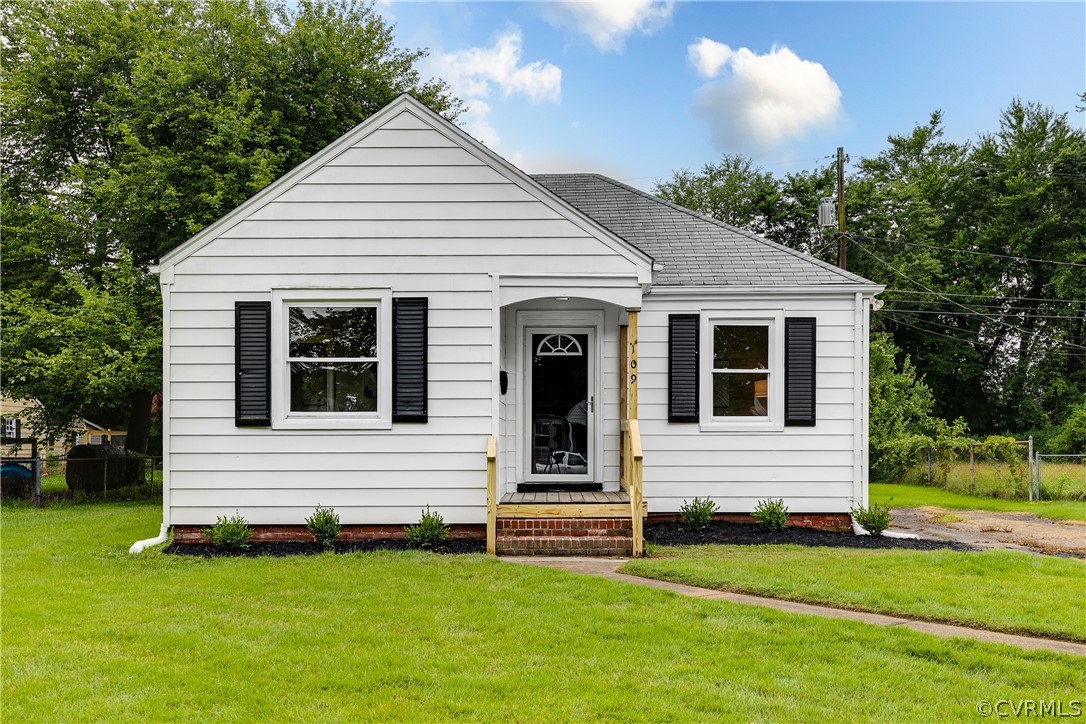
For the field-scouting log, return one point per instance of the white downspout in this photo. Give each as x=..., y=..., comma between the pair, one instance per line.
x=165, y=280
x=162, y=537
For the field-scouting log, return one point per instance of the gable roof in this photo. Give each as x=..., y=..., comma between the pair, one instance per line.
x=406, y=103
x=691, y=249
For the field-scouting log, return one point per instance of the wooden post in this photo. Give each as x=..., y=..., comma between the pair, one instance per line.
x=972, y=471
x=623, y=385
x=491, y=495
x=631, y=363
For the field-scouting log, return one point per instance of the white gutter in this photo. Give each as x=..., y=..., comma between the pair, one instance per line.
x=162, y=537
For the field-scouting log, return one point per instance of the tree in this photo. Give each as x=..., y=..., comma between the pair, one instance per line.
x=129, y=126
x=734, y=191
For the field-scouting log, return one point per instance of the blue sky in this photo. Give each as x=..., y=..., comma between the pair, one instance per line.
x=637, y=90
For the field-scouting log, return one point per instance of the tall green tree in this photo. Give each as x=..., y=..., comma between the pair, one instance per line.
x=981, y=245
x=131, y=125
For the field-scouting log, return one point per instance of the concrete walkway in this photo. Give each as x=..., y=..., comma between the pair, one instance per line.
x=608, y=568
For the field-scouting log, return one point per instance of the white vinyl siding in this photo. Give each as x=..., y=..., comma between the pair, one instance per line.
x=811, y=468
x=388, y=215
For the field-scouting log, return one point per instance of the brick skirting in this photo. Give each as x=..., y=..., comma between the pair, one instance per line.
x=193, y=534
x=524, y=536
x=833, y=522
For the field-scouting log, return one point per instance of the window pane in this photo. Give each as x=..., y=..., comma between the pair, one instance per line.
x=333, y=332
x=741, y=347
x=340, y=387
x=740, y=395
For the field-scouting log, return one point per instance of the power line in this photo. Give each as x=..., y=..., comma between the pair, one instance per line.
x=985, y=305
x=959, y=304
x=988, y=296
x=978, y=314
x=969, y=251
x=897, y=320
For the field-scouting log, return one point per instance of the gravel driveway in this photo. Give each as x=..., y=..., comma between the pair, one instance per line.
x=985, y=529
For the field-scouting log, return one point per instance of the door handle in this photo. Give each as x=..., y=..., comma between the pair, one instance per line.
x=592, y=403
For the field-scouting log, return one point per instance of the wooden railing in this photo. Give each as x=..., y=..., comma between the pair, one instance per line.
x=491, y=494
x=630, y=480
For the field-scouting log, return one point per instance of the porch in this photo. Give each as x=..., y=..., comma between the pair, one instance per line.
x=573, y=521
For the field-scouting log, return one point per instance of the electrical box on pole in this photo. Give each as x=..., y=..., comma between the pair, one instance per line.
x=827, y=212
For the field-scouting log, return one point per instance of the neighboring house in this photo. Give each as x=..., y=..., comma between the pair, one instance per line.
x=15, y=423
x=354, y=334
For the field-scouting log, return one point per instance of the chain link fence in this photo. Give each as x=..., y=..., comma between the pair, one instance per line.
x=1059, y=477
x=121, y=477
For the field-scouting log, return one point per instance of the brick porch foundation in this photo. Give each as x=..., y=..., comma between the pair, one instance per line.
x=564, y=537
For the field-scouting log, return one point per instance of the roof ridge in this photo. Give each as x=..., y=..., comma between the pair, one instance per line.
x=738, y=230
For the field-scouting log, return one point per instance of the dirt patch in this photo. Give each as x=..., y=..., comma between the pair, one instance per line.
x=986, y=529
x=745, y=534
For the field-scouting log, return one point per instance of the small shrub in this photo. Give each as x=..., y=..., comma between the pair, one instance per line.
x=232, y=533
x=875, y=519
x=429, y=532
x=324, y=526
x=697, y=513
x=771, y=514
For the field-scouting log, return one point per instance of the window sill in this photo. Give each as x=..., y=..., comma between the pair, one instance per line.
x=332, y=423
x=744, y=426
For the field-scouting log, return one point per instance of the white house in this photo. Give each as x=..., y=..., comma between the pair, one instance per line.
x=354, y=334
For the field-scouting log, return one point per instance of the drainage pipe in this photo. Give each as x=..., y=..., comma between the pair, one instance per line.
x=858, y=529
x=162, y=537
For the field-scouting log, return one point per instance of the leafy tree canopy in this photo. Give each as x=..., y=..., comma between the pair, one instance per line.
x=131, y=125
x=982, y=246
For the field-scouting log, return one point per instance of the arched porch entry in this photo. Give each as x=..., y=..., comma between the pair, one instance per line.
x=565, y=352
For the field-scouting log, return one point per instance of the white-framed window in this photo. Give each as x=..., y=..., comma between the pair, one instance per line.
x=11, y=427
x=742, y=371
x=331, y=359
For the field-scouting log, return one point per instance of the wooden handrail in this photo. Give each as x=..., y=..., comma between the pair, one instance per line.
x=491, y=494
x=631, y=480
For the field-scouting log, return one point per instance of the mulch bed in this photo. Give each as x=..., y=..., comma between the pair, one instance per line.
x=745, y=534
x=287, y=548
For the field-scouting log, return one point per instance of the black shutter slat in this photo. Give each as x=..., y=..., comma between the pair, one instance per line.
x=409, y=359
x=682, y=368
x=799, y=371
x=252, y=362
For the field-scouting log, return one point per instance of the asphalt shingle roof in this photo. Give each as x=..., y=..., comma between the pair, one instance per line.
x=690, y=249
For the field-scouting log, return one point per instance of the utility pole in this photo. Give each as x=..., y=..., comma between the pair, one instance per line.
x=842, y=256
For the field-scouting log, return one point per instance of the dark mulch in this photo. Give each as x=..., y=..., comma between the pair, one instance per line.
x=744, y=534
x=284, y=548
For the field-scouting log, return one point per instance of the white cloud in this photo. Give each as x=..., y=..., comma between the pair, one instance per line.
x=474, y=71
x=765, y=99
x=473, y=74
x=609, y=23
x=709, y=56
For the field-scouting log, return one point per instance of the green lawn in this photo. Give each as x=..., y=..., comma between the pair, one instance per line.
x=915, y=496
x=998, y=590
x=91, y=633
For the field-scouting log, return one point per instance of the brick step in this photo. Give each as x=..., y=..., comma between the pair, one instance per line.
x=564, y=537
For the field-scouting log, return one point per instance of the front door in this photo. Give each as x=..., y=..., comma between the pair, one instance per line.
x=561, y=400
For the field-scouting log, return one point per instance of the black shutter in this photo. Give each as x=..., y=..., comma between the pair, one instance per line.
x=18, y=427
x=799, y=371
x=252, y=360
x=682, y=367
x=409, y=340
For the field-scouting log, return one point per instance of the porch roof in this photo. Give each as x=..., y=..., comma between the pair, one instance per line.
x=691, y=249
